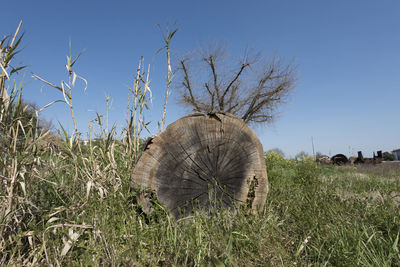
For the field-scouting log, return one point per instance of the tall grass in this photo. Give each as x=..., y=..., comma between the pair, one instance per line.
x=73, y=204
x=66, y=88
x=41, y=187
x=167, y=40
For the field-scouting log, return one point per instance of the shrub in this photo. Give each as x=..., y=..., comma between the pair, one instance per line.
x=299, y=171
x=388, y=156
x=278, y=167
x=307, y=170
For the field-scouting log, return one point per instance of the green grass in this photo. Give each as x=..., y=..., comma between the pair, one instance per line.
x=74, y=205
x=313, y=216
x=345, y=224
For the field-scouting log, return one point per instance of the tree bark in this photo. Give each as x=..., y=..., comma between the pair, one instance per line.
x=204, y=160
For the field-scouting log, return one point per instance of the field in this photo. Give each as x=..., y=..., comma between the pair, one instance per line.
x=76, y=207
x=66, y=203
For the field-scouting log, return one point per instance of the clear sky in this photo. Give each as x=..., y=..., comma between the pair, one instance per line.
x=347, y=52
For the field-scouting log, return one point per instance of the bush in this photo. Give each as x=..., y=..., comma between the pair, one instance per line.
x=388, y=156
x=278, y=167
x=304, y=171
x=307, y=171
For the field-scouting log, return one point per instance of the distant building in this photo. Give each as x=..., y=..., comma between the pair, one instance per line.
x=396, y=154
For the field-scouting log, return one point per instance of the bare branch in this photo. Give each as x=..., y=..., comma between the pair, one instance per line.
x=211, y=62
x=212, y=95
x=187, y=85
x=256, y=96
x=234, y=90
x=232, y=82
x=233, y=97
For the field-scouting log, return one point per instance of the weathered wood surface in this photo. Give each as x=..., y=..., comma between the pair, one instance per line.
x=200, y=158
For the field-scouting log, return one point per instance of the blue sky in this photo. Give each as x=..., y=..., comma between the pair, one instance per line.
x=347, y=97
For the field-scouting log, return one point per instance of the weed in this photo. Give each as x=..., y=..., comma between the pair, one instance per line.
x=73, y=204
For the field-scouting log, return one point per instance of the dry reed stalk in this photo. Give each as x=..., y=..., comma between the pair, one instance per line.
x=141, y=95
x=167, y=40
x=66, y=89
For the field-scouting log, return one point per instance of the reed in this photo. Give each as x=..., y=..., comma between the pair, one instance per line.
x=66, y=203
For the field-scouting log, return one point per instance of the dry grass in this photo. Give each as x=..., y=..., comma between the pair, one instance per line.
x=70, y=204
x=386, y=168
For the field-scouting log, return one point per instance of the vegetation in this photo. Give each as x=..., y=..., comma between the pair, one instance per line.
x=74, y=205
x=276, y=150
x=301, y=155
x=252, y=88
x=388, y=156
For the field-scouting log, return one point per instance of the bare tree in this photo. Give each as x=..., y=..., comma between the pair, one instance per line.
x=251, y=88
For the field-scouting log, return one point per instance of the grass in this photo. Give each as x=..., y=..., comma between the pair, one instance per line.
x=306, y=221
x=74, y=205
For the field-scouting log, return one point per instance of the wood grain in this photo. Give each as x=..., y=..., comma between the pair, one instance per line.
x=204, y=160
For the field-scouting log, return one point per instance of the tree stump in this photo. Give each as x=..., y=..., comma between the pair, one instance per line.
x=204, y=160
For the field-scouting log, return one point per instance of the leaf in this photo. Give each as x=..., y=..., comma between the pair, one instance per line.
x=73, y=62
x=172, y=34
x=73, y=237
x=58, y=210
x=49, y=104
x=395, y=244
x=16, y=33
x=160, y=50
x=48, y=83
x=18, y=41
x=84, y=80
x=88, y=186
x=52, y=219
x=27, y=139
x=228, y=250
x=73, y=78
x=4, y=70
x=98, y=119
x=217, y=263
x=3, y=40
x=23, y=187
x=66, y=94
x=101, y=192
x=6, y=98
x=66, y=138
x=10, y=54
x=14, y=70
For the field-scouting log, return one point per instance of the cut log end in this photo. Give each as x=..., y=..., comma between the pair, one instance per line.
x=201, y=161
